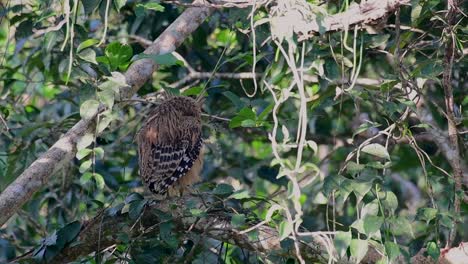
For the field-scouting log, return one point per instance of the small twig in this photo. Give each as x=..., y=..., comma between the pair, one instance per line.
x=216, y=117
x=4, y=123
x=143, y=41
x=40, y=32
x=206, y=75
x=449, y=106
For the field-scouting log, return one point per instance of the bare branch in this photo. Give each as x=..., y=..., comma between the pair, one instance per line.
x=40, y=171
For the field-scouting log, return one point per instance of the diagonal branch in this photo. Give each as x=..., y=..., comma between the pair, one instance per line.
x=40, y=171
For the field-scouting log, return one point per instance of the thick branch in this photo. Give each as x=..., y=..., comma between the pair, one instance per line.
x=364, y=13
x=39, y=172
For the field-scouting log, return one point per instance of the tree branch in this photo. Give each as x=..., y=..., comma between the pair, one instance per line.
x=40, y=171
x=357, y=14
x=449, y=105
x=100, y=232
x=217, y=3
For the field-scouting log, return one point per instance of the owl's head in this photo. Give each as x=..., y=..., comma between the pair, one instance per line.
x=186, y=106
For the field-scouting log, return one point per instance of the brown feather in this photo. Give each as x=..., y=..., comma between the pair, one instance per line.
x=169, y=143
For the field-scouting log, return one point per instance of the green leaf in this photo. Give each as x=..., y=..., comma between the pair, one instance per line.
x=285, y=229
x=115, y=210
x=342, y=59
x=365, y=126
x=379, y=40
x=119, y=4
x=85, y=178
x=377, y=150
x=361, y=188
x=239, y=195
x=358, y=224
x=114, y=82
x=107, y=97
x=392, y=249
x=165, y=59
x=248, y=123
x=312, y=145
x=196, y=90
x=389, y=200
x=83, y=153
x=342, y=241
x=135, y=209
x=24, y=29
x=372, y=224
x=88, y=55
x=264, y=114
x=90, y=5
x=51, y=240
x=133, y=197
x=99, y=152
x=331, y=183
x=223, y=189
x=197, y=212
x=345, y=188
x=433, y=250
x=427, y=214
x=244, y=114
x=371, y=208
x=353, y=168
x=238, y=220
x=86, y=44
x=99, y=180
x=119, y=55
x=415, y=11
x=151, y=6
x=105, y=121
x=167, y=235
x=400, y=226
x=358, y=249
x=89, y=108
x=85, y=166
x=68, y=233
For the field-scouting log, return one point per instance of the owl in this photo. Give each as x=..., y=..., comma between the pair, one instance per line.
x=170, y=146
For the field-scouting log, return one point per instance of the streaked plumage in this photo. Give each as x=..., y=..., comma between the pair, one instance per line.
x=170, y=146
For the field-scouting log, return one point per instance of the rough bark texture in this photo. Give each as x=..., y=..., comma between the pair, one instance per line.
x=39, y=172
x=357, y=14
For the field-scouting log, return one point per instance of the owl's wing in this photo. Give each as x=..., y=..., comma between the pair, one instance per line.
x=170, y=163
